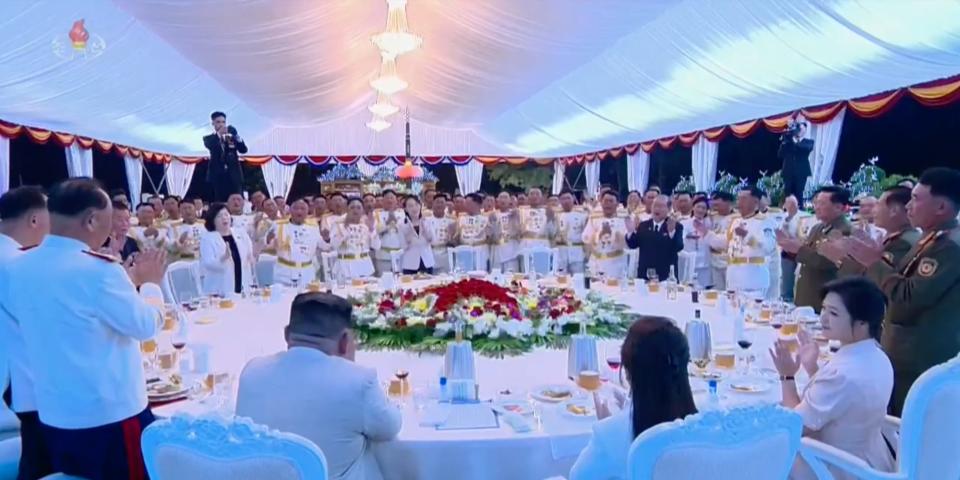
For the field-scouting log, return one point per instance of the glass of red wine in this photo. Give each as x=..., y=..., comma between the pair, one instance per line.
x=744, y=343
x=613, y=361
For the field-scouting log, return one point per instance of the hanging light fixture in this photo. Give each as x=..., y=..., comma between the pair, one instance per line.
x=396, y=39
x=378, y=124
x=383, y=108
x=408, y=171
x=388, y=82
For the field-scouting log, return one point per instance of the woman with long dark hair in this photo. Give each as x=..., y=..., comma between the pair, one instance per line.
x=655, y=355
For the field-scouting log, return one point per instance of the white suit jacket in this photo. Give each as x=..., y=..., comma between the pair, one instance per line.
x=218, y=275
x=416, y=247
x=333, y=402
x=606, y=455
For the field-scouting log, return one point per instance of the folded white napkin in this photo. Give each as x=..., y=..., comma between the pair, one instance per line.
x=517, y=422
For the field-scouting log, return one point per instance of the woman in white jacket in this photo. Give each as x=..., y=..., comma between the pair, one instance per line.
x=226, y=254
x=695, y=242
x=417, y=253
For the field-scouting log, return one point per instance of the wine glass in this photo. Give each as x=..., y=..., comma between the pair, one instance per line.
x=745, y=343
x=614, y=362
x=652, y=276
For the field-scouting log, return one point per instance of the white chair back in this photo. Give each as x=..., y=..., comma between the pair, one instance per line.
x=462, y=258
x=181, y=283
x=328, y=261
x=686, y=267
x=633, y=263
x=748, y=442
x=215, y=447
x=264, y=271
x=930, y=428
x=542, y=260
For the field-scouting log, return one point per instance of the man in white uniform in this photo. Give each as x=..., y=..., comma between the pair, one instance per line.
x=353, y=239
x=797, y=224
x=442, y=230
x=85, y=355
x=507, y=233
x=241, y=219
x=298, y=247
x=148, y=233
x=723, y=215
x=866, y=216
x=537, y=223
x=749, y=242
x=387, y=223
x=570, y=224
x=605, y=238
x=184, y=238
x=24, y=222
x=475, y=229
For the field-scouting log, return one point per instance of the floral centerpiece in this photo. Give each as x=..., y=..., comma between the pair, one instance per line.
x=498, y=320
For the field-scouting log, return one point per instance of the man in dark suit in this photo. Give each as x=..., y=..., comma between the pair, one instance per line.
x=795, y=153
x=223, y=169
x=658, y=239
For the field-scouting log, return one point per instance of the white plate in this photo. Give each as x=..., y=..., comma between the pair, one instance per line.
x=508, y=406
x=749, y=386
x=541, y=393
x=580, y=409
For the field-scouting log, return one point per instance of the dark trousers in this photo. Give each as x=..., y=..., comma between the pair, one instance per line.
x=107, y=452
x=423, y=269
x=794, y=185
x=35, y=462
x=224, y=186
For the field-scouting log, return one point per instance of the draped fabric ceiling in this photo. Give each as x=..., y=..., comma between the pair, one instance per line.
x=494, y=78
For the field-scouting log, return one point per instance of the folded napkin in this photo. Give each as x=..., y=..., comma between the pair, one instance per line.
x=517, y=422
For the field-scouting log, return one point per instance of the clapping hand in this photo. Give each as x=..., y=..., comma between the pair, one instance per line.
x=605, y=230
x=451, y=230
x=550, y=214
x=786, y=363
x=603, y=407
x=325, y=234
x=866, y=251
x=147, y=268
x=629, y=224
x=834, y=250
x=368, y=220
x=787, y=242
x=151, y=232
x=808, y=353
x=741, y=230
x=671, y=224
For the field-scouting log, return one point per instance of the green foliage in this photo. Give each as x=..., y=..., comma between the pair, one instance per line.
x=685, y=185
x=728, y=183
x=524, y=176
x=773, y=185
x=867, y=180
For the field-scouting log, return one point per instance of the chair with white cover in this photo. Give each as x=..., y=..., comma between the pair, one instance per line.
x=747, y=442
x=463, y=259
x=542, y=260
x=686, y=267
x=181, y=283
x=215, y=447
x=925, y=438
x=266, y=265
x=328, y=263
x=633, y=263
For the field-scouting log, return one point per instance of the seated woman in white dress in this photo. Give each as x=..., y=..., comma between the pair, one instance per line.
x=416, y=238
x=845, y=403
x=353, y=239
x=695, y=231
x=226, y=254
x=655, y=355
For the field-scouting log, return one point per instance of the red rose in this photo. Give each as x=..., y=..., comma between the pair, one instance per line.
x=554, y=314
x=432, y=323
x=402, y=322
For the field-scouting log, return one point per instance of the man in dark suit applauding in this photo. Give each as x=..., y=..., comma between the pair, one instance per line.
x=223, y=170
x=658, y=239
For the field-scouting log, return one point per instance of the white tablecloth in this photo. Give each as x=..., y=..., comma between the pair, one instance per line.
x=251, y=329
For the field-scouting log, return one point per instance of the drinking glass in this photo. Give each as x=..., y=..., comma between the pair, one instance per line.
x=747, y=358
x=149, y=349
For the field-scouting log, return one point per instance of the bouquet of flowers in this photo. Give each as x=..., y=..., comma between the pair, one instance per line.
x=498, y=320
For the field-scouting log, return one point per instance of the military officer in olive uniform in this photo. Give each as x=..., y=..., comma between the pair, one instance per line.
x=921, y=328
x=829, y=205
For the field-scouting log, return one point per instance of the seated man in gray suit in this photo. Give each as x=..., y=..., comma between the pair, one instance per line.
x=315, y=390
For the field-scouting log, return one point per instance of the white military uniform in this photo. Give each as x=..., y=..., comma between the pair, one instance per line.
x=507, y=246
x=775, y=218
x=718, y=256
x=439, y=240
x=298, y=249
x=11, y=341
x=693, y=243
x=474, y=231
x=747, y=256
x=353, y=243
x=244, y=222
x=607, y=251
x=152, y=242
x=535, y=228
x=391, y=242
x=191, y=245
x=81, y=332
x=569, y=236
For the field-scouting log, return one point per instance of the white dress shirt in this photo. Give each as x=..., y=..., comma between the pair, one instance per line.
x=605, y=457
x=82, y=322
x=11, y=342
x=845, y=404
x=416, y=246
x=331, y=401
x=217, y=274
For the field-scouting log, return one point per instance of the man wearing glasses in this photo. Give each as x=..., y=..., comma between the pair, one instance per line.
x=315, y=389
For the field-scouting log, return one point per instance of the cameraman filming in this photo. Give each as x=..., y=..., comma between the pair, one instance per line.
x=795, y=153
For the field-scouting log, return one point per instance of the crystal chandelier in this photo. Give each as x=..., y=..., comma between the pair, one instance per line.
x=378, y=124
x=383, y=108
x=396, y=40
x=388, y=82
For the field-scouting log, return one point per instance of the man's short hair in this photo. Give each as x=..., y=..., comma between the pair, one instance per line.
x=74, y=196
x=145, y=204
x=943, y=182
x=120, y=205
x=21, y=200
x=610, y=193
x=441, y=195
x=186, y=200
x=215, y=115
x=475, y=197
x=753, y=190
x=897, y=195
x=653, y=188
x=838, y=195
x=386, y=191
x=173, y=197
x=281, y=197
x=677, y=193
x=319, y=314
x=725, y=196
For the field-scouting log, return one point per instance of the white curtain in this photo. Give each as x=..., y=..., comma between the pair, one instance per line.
x=279, y=177
x=826, y=139
x=369, y=169
x=592, y=172
x=704, y=164
x=79, y=161
x=134, y=168
x=469, y=176
x=179, y=175
x=559, y=169
x=638, y=170
x=4, y=164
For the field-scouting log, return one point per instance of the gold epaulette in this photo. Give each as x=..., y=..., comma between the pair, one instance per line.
x=102, y=256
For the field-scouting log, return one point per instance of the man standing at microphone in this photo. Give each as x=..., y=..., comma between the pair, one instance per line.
x=795, y=153
x=223, y=170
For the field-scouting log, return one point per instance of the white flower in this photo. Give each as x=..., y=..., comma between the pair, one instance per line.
x=493, y=333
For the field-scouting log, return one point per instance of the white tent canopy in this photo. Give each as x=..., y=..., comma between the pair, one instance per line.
x=495, y=77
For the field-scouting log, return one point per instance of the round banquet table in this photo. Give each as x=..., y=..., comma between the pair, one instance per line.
x=252, y=329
